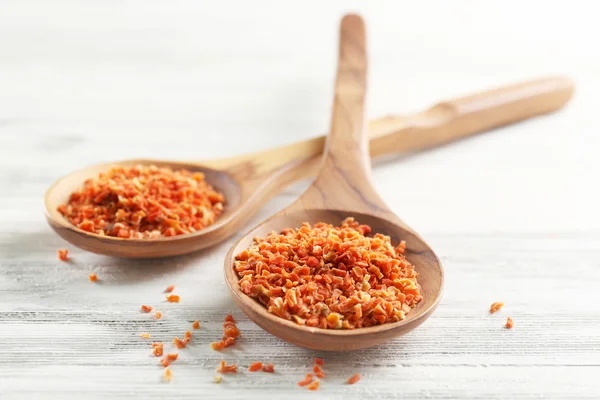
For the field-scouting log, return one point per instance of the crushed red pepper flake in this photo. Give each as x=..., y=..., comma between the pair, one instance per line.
x=146, y=308
x=496, y=307
x=157, y=315
x=330, y=277
x=157, y=351
x=319, y=361
x=168, y=375
x=257, y=366
x=196, y=325
x=313, y=386
x=318, y=371
x=156, y=344
x=180, y=344
x=230, y=334
x=63, y=254
x=269, y=368
x=92, y=277
x=226, y=369
x=172, y=356
x=353, y=379
x=307, y=380
x=170, y=288
x=164, y=362
x=173, y=298
x=188, y=334
x=509, y=323
x=144, y=202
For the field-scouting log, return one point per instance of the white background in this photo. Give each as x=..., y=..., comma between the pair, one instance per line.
x=513, y=214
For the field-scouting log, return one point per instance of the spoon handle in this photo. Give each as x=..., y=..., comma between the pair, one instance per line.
x=443, y=123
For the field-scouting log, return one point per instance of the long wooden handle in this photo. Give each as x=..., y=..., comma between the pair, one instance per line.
x=459, y=118
x=443, y=123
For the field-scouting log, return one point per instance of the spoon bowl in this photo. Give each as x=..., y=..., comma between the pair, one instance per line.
x=60, y=191
x=418, y=253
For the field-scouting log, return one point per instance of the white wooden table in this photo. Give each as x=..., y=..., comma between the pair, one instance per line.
x=512, y=214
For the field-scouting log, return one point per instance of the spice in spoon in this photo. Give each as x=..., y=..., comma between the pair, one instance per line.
x=144, y=202
x=330, y=277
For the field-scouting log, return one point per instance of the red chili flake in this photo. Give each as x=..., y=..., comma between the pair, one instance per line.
x=168, y=375
x=157, y=344
x=330, y=277
x=353, y=379
x=179, y=343
x=318, y=371
x=92, y=277
x=313, y=386
x=496, y=307
x=187, y=335
x=173, y=298
x=257, y=366
x=225, y=369
x=172, y=356
x=230, y=333
x=229, y=318
x=509, y=323
x=196, y=325
x=319, y=361
x=157, y=315
x=170, y=288
x=63, y=254
x=307, y=379
x=146, y=308
x=157, y=351
x=270, y=368
x=144, y=202
x=164, y=362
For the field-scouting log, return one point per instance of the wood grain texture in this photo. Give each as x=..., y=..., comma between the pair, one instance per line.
x=90, y=83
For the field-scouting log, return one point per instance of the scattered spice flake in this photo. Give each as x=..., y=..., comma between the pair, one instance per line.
x=270, y=368
x=157, y=351
x=218, y=378
x=156, y=344
x=188, y=334
x=146, y=308
x=172, y=356
x=229, y=318
x=168, y=375
x=509, y=323
x=63, y=254
x=157, y=315
x=144, y=202
x=330, y=277
x=196, y=324
x=170, y=288
x=307, y=380
x=496, y=307
x=179, y=343
x=230, y=333
x=164, y=362
x=319, y=361
x=257, y=366
x=173, y=298
x=353, y=379
x=145, y=335
x=313, y=386
x=92, y=277
x=225, y=369
x=318, y=371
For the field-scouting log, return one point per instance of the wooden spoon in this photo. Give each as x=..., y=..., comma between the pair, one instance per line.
x=343, y=189
x=249, y=181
